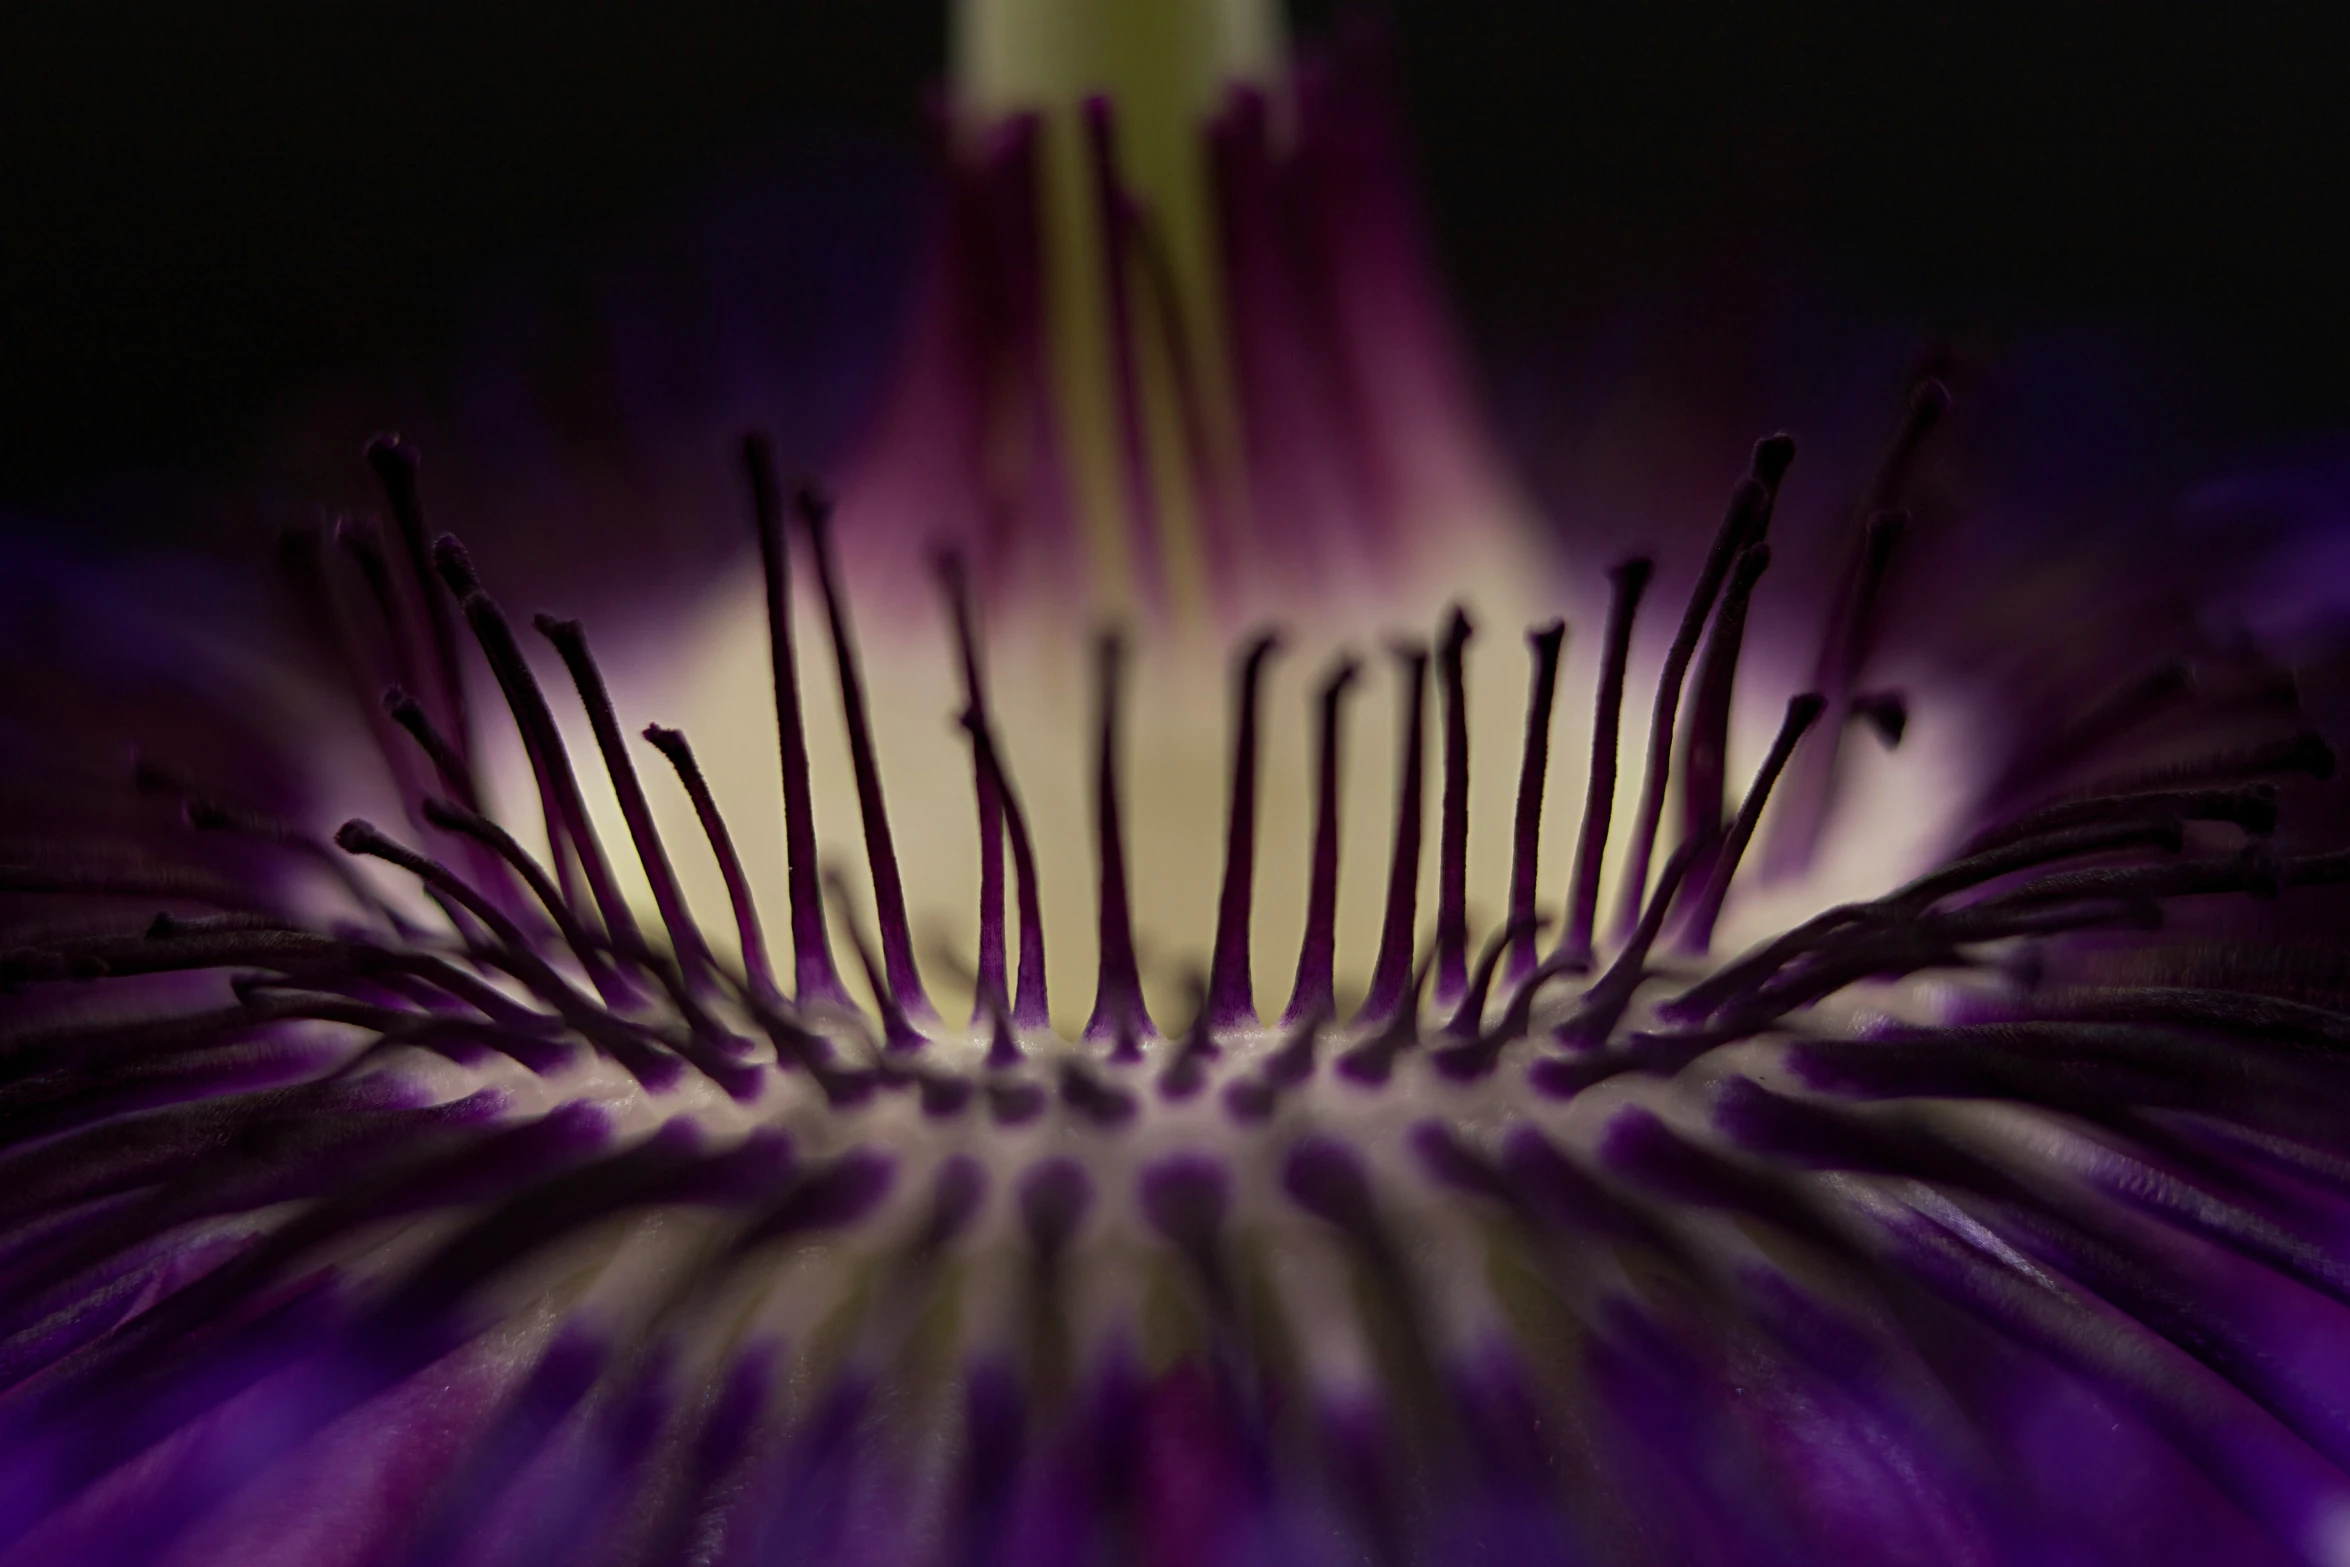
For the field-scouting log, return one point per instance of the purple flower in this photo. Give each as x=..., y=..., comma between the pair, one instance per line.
x=1803, y=1085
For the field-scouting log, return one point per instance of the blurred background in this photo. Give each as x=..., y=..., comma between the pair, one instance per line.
x=231, y=227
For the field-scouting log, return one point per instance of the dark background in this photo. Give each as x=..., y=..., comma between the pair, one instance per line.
x=206, y=209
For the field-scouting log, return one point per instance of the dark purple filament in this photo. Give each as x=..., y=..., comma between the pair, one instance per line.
x=1231, y=1000
x=1118, y=1015
x=1452, y=855
x=814, y=977
x=1742, y=524
x=1628, y=582
x=2214, y=1104
x=1533, y=769
x=1391, y=969
x=955, y=581
x=671, y=744
x=889, y=898
x=1311, y=995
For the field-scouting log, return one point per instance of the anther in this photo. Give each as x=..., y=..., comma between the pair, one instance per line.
x=1627, y=582
x=1311, y=995
x=1231, y=1001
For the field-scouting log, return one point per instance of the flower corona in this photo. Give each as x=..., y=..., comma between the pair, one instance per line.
x=469, y=1189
